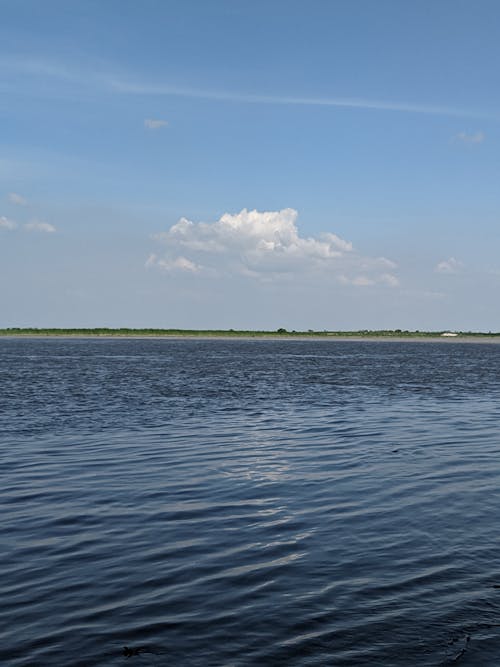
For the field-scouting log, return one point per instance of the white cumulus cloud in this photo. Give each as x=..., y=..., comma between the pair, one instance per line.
x=16, y=199
x=155, y=123
x=177, y=264
x=470, y=138
x=37, y=226
x=389, y=279
x=450, y=265
x=265, y=244
x=5, y=223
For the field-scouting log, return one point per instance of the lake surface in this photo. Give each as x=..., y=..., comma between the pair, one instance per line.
x=249, y=502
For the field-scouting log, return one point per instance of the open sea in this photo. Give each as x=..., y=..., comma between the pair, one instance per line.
x=241, y=503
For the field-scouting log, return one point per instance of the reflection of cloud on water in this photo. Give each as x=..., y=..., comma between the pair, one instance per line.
x=259, y=470
x=265, y=464
x=267, y=566
x=259, y=460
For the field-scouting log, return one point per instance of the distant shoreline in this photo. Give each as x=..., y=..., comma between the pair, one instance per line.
x=486, y=340
x=178, y=334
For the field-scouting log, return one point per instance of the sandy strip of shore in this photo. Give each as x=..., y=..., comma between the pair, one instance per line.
x=257, y=337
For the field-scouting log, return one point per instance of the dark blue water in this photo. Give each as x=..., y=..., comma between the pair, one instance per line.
x=240, y=503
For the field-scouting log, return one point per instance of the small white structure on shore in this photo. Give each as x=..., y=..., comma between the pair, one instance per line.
x=449, y=334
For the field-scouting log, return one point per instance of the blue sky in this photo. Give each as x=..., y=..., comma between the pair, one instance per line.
x=334, y=165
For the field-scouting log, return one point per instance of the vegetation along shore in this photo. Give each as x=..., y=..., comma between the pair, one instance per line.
x=240, y=333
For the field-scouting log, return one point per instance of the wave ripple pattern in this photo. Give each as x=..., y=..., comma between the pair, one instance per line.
x=248, y=503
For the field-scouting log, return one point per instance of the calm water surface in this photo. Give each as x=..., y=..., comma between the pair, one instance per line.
x=247, y=503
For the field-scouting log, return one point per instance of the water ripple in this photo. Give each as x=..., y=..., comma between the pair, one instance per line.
x=249, y=503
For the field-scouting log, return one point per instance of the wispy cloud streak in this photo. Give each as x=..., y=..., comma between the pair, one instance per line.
x=129, y=88
x=108, y=81
x=37, y=226
x=154, y=123
x=470, y=139
x=16, y=199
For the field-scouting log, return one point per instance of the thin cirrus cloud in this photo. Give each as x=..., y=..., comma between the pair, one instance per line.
x=38, y=226
x=155, y=123
x=160, y=89
x=265, y=245
x=17, y=199
x=449, y=266
x=23, y=71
